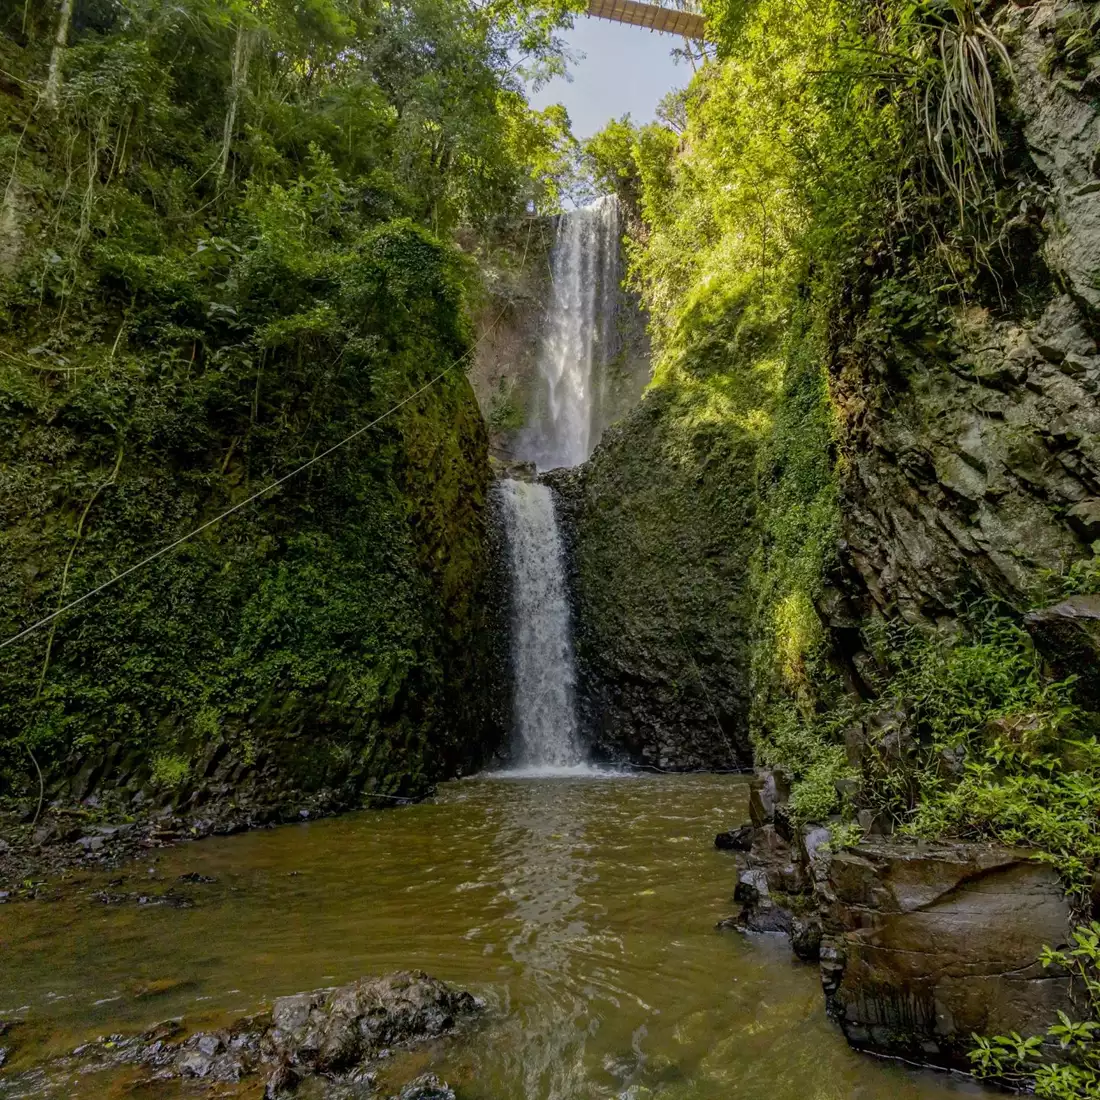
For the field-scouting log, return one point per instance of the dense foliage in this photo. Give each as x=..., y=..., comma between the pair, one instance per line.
x=223, y=248
x=834, y=183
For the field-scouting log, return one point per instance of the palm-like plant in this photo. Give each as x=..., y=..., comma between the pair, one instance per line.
x=959, y=108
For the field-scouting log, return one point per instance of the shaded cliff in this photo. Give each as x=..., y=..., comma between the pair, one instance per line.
x=655, y=522
x=216, y=303
x=891, y=467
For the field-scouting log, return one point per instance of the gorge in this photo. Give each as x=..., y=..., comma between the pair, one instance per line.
x=362, y=474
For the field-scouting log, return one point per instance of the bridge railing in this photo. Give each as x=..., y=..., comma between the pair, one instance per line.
x=682, y=17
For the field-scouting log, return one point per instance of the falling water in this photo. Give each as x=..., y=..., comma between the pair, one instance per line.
x=579, y=341
x=542, y=650
x=580, y=338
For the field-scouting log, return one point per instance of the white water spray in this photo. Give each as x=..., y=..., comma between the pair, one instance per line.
x=580, y=338
x=542, y=649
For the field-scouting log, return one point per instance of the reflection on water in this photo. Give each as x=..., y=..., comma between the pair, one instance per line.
x=582, y=909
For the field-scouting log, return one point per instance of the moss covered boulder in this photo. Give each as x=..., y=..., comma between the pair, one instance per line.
x=657, y=529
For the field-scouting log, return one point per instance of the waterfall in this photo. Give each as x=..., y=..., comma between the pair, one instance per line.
x=580, y=338
x=542, y=649
x=567, y=417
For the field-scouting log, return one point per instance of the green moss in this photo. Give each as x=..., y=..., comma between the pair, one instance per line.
x=174, y=342
x=506, y=411
x=170, y=771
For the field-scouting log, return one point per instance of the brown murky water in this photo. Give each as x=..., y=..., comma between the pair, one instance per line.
x=582, y=910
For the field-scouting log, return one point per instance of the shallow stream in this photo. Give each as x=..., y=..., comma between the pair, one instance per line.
x=582, y=910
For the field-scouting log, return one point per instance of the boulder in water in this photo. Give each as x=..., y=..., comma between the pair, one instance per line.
x=735, y=840
x=321, y=1045
x=341, y=1031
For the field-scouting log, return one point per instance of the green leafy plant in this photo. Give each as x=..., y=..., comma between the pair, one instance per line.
x=170, y=771
x=959, y=108
x=1063, y=1064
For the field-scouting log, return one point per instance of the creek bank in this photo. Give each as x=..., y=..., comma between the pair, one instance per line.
x=328, y=1044
x=921, y=946
x=33, y=854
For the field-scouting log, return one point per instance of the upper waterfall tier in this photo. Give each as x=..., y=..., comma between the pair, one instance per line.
x=580, y=338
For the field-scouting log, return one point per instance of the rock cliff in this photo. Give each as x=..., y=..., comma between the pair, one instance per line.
x=972, y=435
x=655, y=527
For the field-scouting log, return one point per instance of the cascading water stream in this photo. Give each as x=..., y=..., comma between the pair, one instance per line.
x=542, y=649
x=580, y=338
x=565, y=425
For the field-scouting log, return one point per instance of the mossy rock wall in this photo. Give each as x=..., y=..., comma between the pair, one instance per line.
x=656, y=529
x=327, y=640
x=171, y=343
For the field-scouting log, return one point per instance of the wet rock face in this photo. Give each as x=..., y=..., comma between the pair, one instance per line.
x=341, y=1031
x=776, y=865
x=975, y=449
x=1068, y=637
x=654, y=526
x=923, y=948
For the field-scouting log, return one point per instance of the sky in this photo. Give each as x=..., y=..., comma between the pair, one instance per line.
x=625, y=69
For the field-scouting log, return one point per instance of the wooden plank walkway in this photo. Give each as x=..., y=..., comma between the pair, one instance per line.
x=670, y=20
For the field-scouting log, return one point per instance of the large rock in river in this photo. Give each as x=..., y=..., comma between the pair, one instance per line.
x=323, y=1045
x=340, y=1031
x=925, y=947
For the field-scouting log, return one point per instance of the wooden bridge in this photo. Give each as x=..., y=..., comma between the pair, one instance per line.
x=679, y=18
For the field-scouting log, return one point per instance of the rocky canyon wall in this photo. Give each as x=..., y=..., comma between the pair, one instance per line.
x=972, y=435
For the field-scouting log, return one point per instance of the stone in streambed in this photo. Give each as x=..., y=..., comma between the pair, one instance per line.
x=316, y=1046
x=337, y=1031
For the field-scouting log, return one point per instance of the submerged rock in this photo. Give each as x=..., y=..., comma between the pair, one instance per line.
x=428, y=1087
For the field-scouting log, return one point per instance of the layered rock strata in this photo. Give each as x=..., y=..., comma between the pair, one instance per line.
x=920, y=946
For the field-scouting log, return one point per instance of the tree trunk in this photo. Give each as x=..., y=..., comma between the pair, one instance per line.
x=52, y=94
x=241, y=53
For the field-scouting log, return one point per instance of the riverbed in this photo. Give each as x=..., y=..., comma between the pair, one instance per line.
x=582, y=909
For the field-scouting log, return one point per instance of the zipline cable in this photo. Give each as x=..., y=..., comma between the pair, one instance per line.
x=248, y=500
